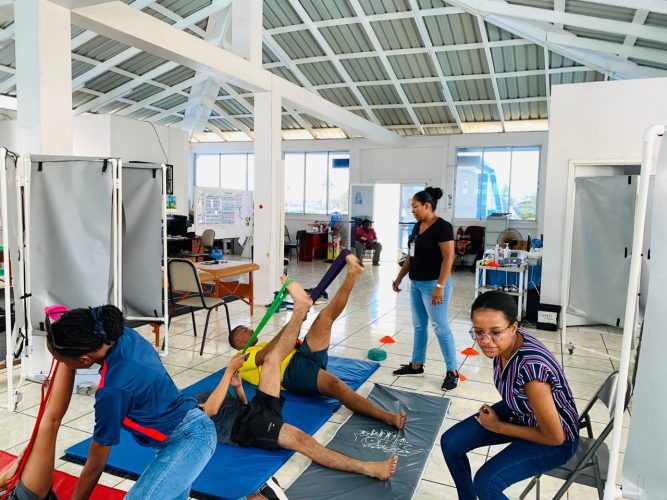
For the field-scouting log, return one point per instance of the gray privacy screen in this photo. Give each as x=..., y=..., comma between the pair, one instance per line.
x=15, y=263
x=142, y=240
x=70, y=233
x=367, y=439
x=601, y=247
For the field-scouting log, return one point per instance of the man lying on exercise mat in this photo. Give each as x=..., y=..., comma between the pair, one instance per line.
x=303, y=370
x=260, y=423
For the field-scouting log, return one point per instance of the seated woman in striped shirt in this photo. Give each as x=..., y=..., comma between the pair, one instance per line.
x=537, y=414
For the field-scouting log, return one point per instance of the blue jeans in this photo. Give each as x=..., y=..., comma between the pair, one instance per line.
x=423, y=311
x=520, y=460
x=178, y=461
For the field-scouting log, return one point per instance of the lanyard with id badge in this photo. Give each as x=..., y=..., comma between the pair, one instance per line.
x=412, y=245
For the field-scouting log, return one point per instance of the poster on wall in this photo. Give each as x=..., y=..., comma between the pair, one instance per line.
x=227, y=211
x=171, y=202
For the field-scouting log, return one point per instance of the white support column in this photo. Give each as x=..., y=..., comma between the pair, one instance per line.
x=44, y=77
x=268, y=196
x=247, y=30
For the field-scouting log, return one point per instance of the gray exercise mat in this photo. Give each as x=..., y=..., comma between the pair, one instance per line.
x=367, y=439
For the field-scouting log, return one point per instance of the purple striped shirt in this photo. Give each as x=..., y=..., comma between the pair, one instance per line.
x=533, y=361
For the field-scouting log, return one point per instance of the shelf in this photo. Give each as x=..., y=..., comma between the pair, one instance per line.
x=490, y=288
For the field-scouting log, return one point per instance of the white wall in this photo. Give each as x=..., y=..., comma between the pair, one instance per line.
x=424, y=159
x=591, y=121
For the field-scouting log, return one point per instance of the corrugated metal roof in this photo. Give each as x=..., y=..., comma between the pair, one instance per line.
x=331, y=9
x=463, y=62
x=394, y=116
x=289, y=122
x=575, y=77
x=79, y=98
x=7, y=56
x=142, y=92
x=431, y=4
x=286, y=74
x=142, y=63
x=397, y=34
x=278, y=13
x=223, y=125
x=347, y=39
x=454, y=29
x=175, y=76
x=517, y=58
x=184, y=8
x=525, y=111
x=321, y=73
x=655, y=19
x=540, y=4
x=316, y=122
x=525, y=86
x=365, y=69
x=478, y=112
x=600, y=11
x=233, y=107
x=650, y=64
x=340, y=96
x=558, y=61
x=268, y=56
x=412, y=66
x=100, y=48
x=380, y=94
x=650, y=44
x=170, y=101
x=107, y=81
x=435, y=114
x=299, y=44
x=472, y=90
x=496, y=34
x=423, y=92
x=143, y=114
x=79, y=67
x=384, y=6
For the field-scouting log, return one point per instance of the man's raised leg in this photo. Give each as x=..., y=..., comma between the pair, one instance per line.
x=319, y=333
x=37, y=475
x=269, y=379
x=295, y=439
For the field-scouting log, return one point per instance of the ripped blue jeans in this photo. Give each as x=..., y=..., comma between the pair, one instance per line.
x=424, y=311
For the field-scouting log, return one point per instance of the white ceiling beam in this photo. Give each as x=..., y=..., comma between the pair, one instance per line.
x=136, y=106
x=319, y=38
x=377, y=46
x=122, y=23
x=426, y=40
x=123, y=56
x=503, y=8
x=547, y=78
x=639, y=18
x=168, y=112
x=559, y=6
x=492, y=71
x=224, y=116
x=176, y=18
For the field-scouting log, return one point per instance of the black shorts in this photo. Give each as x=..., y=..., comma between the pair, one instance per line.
x=303, y=369
x=260, y=423
x=20, y=492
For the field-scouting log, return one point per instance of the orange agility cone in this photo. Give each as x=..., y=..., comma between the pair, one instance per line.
x=387, y=340
x=462, y=377
x=469, y=351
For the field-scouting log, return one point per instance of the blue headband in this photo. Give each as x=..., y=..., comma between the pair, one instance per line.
x=98, y=326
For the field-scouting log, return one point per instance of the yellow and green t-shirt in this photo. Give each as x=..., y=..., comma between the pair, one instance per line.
x=250, y=371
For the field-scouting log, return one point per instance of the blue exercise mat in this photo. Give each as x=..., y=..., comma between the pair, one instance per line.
x=234, y=472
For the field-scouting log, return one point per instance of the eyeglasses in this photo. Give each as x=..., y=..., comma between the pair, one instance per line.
x=52, y=342
x=494, y=337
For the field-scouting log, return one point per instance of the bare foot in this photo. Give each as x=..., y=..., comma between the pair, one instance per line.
x=353, y=264
x=383, y=470
x=301, y=299
x=399, y=420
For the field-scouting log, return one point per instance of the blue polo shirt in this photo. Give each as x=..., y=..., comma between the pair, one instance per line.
x=136, y=393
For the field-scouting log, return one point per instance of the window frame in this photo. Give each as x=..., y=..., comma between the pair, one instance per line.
x=538, y=147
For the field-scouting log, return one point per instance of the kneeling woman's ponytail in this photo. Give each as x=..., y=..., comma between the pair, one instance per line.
x=81, y=331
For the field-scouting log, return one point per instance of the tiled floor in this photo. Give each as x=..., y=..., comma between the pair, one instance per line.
x=372, y=312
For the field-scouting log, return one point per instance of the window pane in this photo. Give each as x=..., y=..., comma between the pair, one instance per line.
x=525, y=169
x=233, y=171
x=251, y=172
x=294, y=183
x=468, y=171
x=339, y=185
x=207, y=171
x=495, y=185
x=316, y=183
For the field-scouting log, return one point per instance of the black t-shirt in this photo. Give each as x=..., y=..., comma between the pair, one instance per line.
x=224, y=421
x=427, y=259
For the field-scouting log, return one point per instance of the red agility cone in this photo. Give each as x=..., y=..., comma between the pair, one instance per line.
x=469, y=351
x=387, y=340
x=462, y=377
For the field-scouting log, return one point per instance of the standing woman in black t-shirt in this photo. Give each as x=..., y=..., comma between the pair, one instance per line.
x=429, y=265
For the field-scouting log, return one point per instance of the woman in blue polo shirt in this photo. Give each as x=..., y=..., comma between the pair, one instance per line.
x=136, y=394
x=536, y=415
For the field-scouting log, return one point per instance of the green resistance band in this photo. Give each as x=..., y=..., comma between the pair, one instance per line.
x=280, y=296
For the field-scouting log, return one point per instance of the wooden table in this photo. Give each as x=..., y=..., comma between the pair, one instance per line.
x=229, y=269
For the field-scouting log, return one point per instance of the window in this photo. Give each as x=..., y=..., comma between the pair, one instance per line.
x=317, y=183
x=497, y=180
x=226, y=171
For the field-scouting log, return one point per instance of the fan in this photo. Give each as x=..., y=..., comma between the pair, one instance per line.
x=510, y=236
